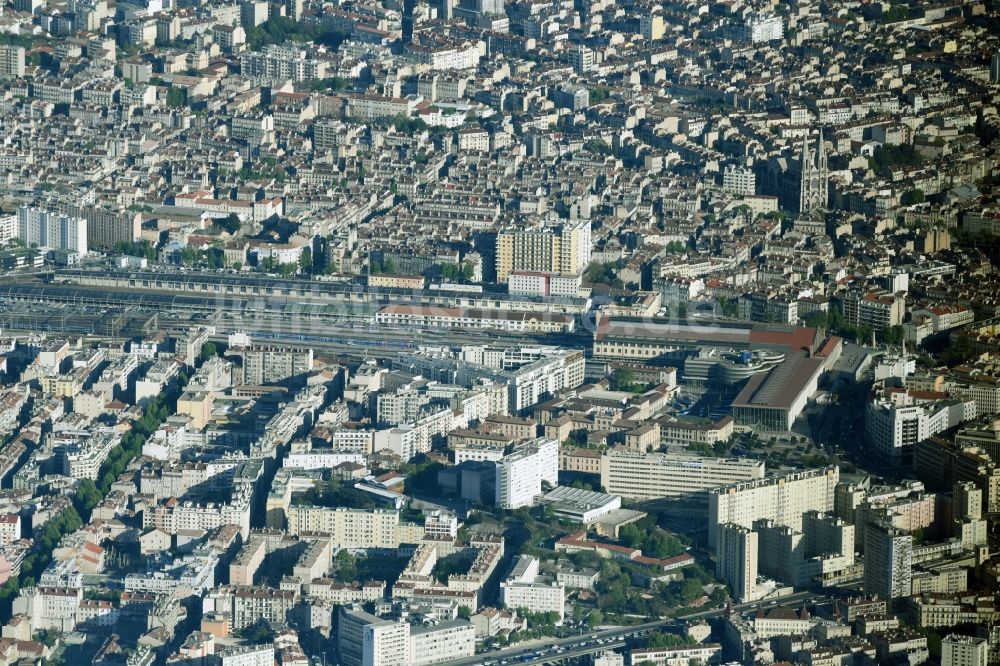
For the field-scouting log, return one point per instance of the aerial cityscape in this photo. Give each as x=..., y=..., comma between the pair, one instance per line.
x=499, y=332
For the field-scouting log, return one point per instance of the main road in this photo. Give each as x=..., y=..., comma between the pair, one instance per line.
x=571, y=647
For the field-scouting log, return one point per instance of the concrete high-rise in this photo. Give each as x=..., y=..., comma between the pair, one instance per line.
x=967, y=522
x=368, y=640
x=11, y=62
x=106, y=226
x=736, y=560
x=43, y=228
x=827, y=534
x=490, y=7
x=739, y=180
x=651, y=25
x=783, y=499
x=409, y=7
x=265, y=364
x=888, y=561
x=825, y=547
x=554, y=248
x=958, y=650
x=762, y=28
x=581, y=59
x=519, y=475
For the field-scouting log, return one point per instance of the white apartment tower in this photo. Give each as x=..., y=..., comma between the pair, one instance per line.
x=783, y=499
x=253, y=655
x=11, y=62
x=581, y=59
x=45, y=229
x=739, y=180
x=763, y=28
x=736, y=560
x=958, y=650
x=519, y=475
x=368, y=640
x=651, y=25
x=525, y=588
x=386, y=644
x=268, y=364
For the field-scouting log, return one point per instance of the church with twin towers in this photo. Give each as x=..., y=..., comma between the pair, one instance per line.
x=799, y=177
x=814, y=177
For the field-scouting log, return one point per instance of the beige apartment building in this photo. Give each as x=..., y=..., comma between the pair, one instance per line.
x=563, y=248
x=353, y=528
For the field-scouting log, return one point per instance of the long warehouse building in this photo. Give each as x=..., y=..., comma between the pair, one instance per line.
x=635, y=339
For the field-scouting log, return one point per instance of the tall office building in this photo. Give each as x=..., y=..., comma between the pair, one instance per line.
x=554, y=248
x=736, y=560
x=995, y=68
x=888, y=561
x=958, y=650
x=11, y=62
x=46, y=229
x=783, y=499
